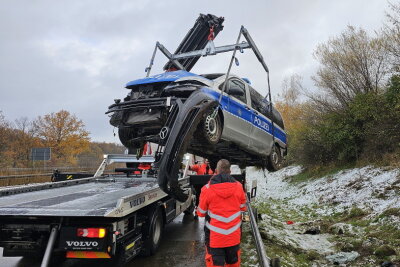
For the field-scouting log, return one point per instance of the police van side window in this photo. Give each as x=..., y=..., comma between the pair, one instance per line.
x=237, y=86
x=256, y=99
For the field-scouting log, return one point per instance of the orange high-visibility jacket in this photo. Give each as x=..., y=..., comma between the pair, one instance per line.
x=223, y=201
x=146, y=152
x=201, y=169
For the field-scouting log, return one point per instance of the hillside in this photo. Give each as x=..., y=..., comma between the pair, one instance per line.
x=351, y=218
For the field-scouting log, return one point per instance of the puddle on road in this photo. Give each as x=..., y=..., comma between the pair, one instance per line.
x=174, y=253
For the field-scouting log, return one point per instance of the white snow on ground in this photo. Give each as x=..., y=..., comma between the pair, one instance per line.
x=293, y=236
x=368, y=188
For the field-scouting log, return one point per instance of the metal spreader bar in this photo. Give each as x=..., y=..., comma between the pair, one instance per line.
x=208, y=51
x=211, y=50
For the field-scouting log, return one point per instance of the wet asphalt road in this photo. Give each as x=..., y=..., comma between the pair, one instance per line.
x=181, y=246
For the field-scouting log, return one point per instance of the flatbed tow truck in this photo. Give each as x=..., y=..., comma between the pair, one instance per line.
x=113, y=216
x=117, y=216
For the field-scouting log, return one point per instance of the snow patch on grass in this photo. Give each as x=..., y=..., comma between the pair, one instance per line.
x=369, y=188
x=364, y=201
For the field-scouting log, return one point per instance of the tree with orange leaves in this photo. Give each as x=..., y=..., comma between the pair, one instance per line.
x=294, y=112
x=64, y=133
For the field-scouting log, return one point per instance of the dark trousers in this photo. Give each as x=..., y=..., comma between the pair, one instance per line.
x=229, y=256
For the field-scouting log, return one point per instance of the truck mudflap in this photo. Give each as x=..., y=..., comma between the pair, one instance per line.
x=185, y=124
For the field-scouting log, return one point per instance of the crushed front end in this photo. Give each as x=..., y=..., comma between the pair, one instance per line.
x=164, y=109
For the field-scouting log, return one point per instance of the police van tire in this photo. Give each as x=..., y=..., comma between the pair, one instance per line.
x=126, y=135
x=212, y=128
x=155, y=231
x=274, y=162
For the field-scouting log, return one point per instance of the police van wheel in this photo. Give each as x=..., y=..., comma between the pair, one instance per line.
x=212, y=128
x=126, y=135
x=274, y=159
x=155, y=231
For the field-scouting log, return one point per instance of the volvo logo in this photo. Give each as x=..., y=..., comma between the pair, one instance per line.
x=82, y=243
x=163, y=132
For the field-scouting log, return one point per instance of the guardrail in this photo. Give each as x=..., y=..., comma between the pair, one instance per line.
x=42, y=169
x=263, y=259
x=25, y=175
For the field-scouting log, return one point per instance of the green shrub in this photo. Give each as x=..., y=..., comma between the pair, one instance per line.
x=355, y=212
x=368, y=128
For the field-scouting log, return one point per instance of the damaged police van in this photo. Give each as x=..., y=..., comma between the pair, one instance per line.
x=214, y=116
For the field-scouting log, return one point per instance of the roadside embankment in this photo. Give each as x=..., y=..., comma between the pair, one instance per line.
x=351, y=218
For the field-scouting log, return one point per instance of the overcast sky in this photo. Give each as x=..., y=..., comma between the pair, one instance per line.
x=78, y=55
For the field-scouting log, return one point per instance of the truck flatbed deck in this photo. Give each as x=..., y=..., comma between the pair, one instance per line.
x=113, y=196
x=115, y=215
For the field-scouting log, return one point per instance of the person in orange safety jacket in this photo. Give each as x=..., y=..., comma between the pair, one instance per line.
x=222, y=202
x=143, y=166
x=146, y=152
x=202, y=169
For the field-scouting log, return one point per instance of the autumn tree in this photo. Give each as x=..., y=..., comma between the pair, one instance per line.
x=355, y=116
x=3, y=127
x=350, y=64
x=4, y=139
x=391, y=32
x=93, y=156
x=64, y=133
x=291, y=89
x=23, y=140
x=293, y=111
x=16, y=139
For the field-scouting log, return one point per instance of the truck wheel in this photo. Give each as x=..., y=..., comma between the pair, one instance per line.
x=212, y=128
x=191, y=208
x=274, y=159
x=119, y=259
x=155, y=232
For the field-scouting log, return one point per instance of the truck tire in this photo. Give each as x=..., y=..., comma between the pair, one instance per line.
x=119, y=259
x=192, y=206
x=274, y=160
x=155, y=231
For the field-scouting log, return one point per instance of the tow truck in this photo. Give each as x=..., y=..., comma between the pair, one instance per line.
x=114, y=216
x=117, y=216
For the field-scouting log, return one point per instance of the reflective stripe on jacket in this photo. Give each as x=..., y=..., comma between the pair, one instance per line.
x=223, y=201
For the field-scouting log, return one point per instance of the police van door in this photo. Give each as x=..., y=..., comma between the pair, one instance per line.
x=260, y=137
x=239, y=117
